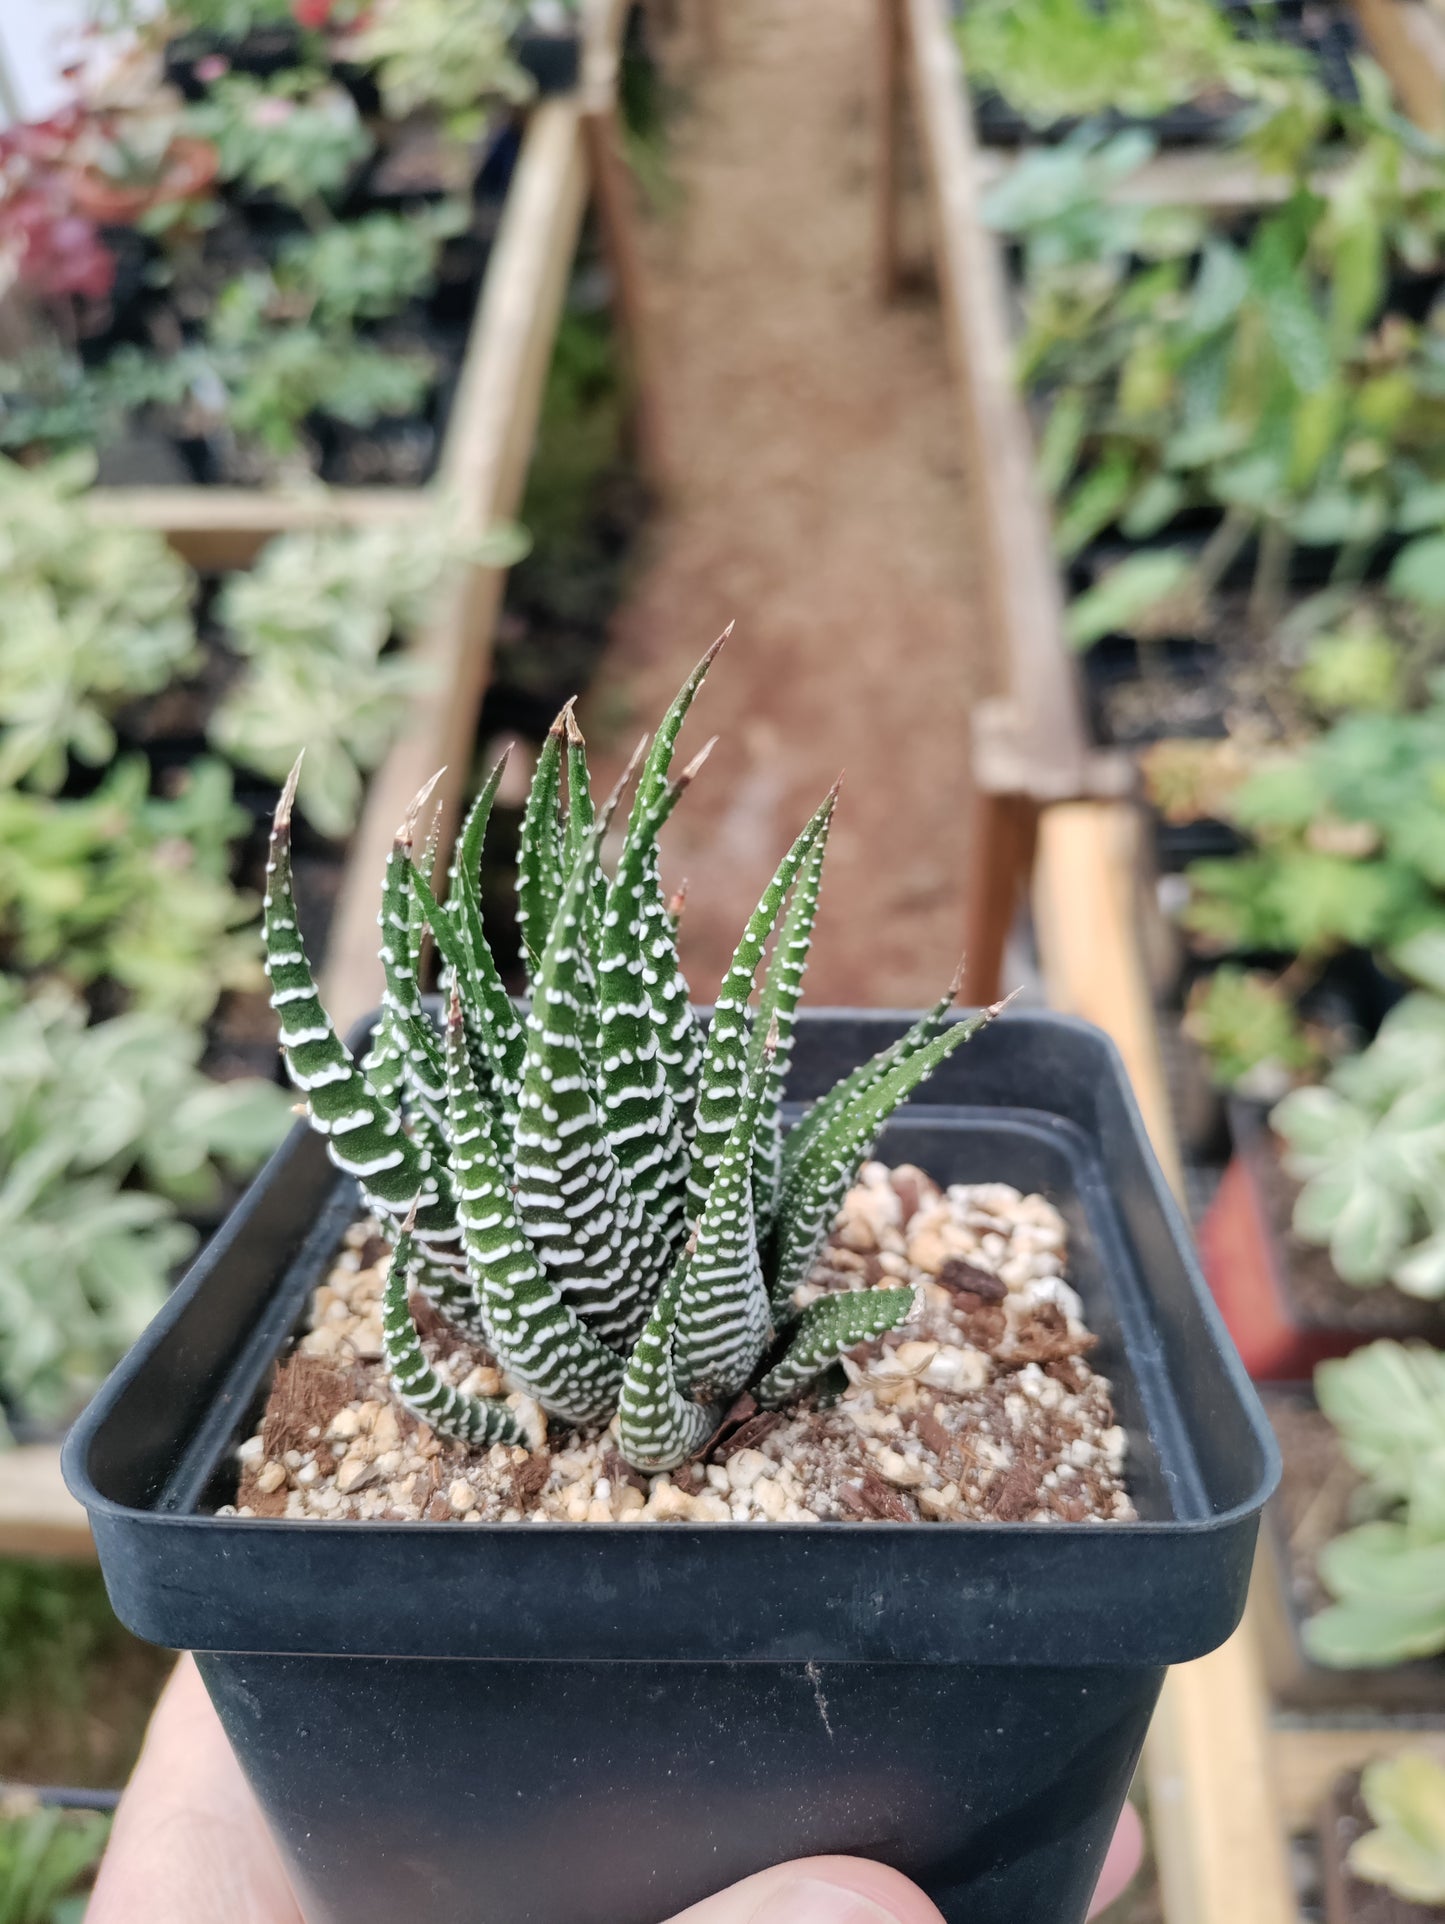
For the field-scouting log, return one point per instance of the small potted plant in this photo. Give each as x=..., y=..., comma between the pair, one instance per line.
x=1382, y=1839
x=1351, y=1579
x=1325, y=1231
x=565, y=1418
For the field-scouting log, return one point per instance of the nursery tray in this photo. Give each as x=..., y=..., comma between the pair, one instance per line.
x=1296, y=1681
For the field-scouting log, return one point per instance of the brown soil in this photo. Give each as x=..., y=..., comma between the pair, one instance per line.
x=1316, y=1296
x=1349, y=1899
x=819, y=501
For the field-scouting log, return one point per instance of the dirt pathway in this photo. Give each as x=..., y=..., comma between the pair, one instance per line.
x=821, y=504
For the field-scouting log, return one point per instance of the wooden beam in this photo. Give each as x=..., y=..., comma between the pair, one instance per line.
x=1084, y=919
x=1022, y=590
x=1408, y=40
x=1216, y=1828
x=1214, y=1816
x=1001, y=858
x=221, y=528
x=497, y=406
x=38, y=1515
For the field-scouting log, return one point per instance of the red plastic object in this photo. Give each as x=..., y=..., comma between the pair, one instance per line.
x=1243, y=1266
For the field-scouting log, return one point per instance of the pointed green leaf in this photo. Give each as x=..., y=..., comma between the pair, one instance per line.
x=657, y=1427
x=450, y=1412
x=539, y=852
x=827, y=1330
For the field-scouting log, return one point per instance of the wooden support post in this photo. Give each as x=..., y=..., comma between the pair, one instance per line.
x=1218, y=1836
x=887, y=216
x=1001, y=856
x=1409, y=42
x=615, y=201
x=38, y=1515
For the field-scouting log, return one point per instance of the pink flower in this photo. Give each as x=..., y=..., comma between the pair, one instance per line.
x=271, y=112
x=313, y=14
x=211, y=66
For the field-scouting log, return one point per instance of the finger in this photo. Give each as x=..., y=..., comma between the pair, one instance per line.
x=819, y=1890
x=190, y=1845
x=1121, y=1865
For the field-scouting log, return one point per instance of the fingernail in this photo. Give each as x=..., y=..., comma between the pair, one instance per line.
x=808, y=1901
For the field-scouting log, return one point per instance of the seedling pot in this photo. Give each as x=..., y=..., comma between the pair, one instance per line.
x=1245, y=1245
x=601, y=1724
x=1296, y=1681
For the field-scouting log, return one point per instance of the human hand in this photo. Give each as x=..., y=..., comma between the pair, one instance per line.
x=190, y=1847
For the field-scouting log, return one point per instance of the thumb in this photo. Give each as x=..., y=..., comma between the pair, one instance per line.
x=819, y=1890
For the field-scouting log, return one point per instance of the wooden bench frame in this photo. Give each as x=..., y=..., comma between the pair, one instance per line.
x=1031, y=747
x=570, y=152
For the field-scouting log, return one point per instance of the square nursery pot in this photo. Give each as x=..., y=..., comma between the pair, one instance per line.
x=1283, y=1304
x=601, y=1724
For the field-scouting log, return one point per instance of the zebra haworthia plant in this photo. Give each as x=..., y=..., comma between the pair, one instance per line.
x=593, y=1184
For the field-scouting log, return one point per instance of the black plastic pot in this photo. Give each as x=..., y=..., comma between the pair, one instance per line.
x=599, y=1724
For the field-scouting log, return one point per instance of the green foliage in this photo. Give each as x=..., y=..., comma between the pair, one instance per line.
x=1387, y=1576
x=593, y=1191
x=228, y=19
x=1369, y=1147
x=130, y=889
x=296, y=135
x=87, y=1114
x=1359, y=665
x=94, y=616
x=1405, y=1796
x=313, y=620
x=1251, y=1032
x=1181, y=369
x=51, y=400
x=276, y=373
x=1350, y=849
x=367, y=269
x=448, y=55
x=1057, y=59
x=45, y=1855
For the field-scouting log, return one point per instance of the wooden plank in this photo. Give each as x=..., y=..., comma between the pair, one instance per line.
x=1084, y=883
x=1001, y=845
x=1408, y=40
x=1214, y=1816
x=498, y=401
x=1036, y=719
x=38, y=1515
x=1305, y=1761
x=221, y=528
x=1216, y=1830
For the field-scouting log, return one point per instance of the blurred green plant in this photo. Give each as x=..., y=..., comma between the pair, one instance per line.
x=313, y=620
x=124, y=887
x=106, y=1131
x=452, y=56
x=46, y=1857
x=94, y=616
x=1405, y=1796
x=1251, y=1031
x=297, y=136
x=1387, y=1576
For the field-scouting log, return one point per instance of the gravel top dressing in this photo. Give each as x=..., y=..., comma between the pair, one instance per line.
x=982, y=1407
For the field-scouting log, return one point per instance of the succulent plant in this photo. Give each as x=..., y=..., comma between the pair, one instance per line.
x=1387, y=1576
x=1405, y=1797
x=1369, y=1147
x=599, y=1190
